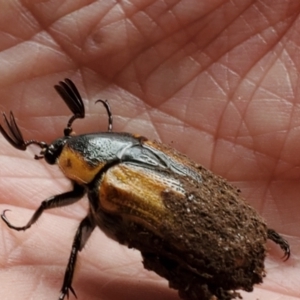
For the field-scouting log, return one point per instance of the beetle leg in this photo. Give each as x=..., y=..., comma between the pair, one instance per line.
x=82, y=234
x=283, y=244
x=52, y=202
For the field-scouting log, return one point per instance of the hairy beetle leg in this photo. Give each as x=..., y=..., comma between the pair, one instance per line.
x=52, y=202
x=279, y=240
x=83, y=232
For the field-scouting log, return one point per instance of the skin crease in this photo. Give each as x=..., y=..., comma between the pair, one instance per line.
x=216, y=80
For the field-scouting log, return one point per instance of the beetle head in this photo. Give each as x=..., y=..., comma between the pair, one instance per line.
x=69, y=93
x=14, y=136
x=50, y=152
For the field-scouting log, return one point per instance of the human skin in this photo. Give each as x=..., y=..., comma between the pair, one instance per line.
x=216, y=80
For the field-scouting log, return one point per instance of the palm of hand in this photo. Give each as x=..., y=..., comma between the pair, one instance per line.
x=218, y=82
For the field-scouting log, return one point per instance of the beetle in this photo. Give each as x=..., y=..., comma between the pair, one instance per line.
x=191, y=226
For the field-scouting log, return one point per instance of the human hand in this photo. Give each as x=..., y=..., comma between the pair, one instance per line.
x=217, y=82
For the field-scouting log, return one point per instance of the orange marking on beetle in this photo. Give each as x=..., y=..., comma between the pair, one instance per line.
x=135, y=192
x=76, y=168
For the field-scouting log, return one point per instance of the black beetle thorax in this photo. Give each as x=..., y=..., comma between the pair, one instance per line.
x=83, y=157
x=100, y=147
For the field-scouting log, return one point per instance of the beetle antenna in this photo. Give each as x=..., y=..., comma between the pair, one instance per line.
x=69, y=93
x=14, y=136
x=108, y=110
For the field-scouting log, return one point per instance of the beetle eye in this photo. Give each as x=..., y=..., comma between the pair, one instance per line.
x=50, y=156
x=52, y=152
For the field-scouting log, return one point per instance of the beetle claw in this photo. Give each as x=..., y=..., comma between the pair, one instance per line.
x=4, y=218
x=279, y=240
x=73, y=292
x=65, y=292
x=287, y=251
